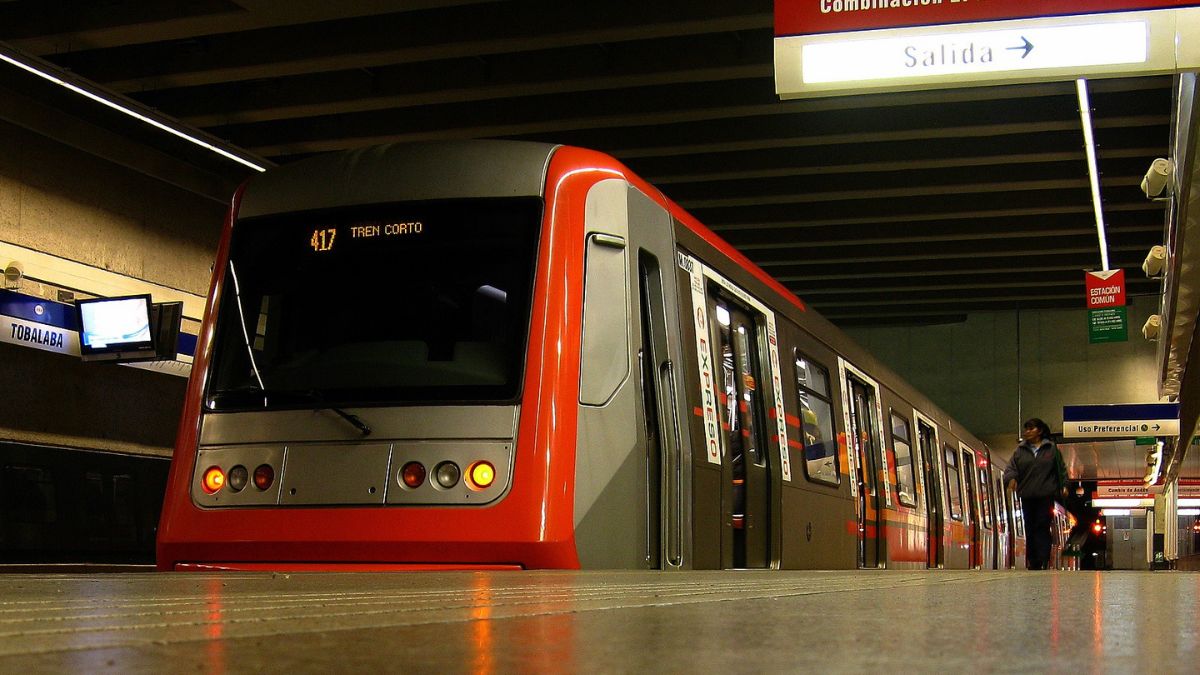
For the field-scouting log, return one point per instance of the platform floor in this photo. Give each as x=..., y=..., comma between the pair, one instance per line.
x=622, y=622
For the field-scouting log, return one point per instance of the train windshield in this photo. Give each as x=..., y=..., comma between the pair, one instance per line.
x=410, y=303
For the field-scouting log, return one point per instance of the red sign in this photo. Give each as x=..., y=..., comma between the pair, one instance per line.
x=805, y=17
x=1105, y=289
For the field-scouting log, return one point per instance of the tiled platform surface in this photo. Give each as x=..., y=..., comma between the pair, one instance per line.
x=622, y=622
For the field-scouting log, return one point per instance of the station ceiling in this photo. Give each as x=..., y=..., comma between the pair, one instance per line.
x=914, y=207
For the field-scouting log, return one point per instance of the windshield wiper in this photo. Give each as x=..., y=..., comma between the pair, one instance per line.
x=237, y=296
x=314, y=396
x=352, y=419
x=283, y=395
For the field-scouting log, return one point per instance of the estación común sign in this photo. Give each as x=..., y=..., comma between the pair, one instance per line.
x=840, y=46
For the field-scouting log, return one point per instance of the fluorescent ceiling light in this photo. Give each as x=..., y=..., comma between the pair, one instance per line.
x=1189, y=512
x=1122, y=503
x=1089, y=144
x=44, y=73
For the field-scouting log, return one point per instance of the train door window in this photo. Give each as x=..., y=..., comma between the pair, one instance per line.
x=902, y=447
x=985, y=495
x=816, y=421
x=866, y=441
x=29, y=495
x=743, y=421
x=968, y=478
x=1001, y=505
x=953, y=488
x=1018, y=516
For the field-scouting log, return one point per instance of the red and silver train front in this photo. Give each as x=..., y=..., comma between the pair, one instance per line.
x=358, y=394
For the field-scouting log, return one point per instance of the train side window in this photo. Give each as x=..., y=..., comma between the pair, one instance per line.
x=902, y=448
x=96, y=511
x=953, y=488
x=816, y=421
x=29, y=495
x=605, y=348
x=124, y=503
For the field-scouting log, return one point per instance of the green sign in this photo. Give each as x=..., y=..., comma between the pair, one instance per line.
x=1107, y=324
x=1145, y=440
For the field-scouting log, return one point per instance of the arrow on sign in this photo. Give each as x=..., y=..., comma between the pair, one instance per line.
x=1157, y=427
x=1028, y=46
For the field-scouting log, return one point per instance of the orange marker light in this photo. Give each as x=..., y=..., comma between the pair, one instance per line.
x=214, y=479
x=482, y=475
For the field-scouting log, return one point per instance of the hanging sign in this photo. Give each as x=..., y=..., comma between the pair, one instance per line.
x=1105, y=289
x=807, y=17
x=1121, y=420
x=1108, y=319
x=828, y=47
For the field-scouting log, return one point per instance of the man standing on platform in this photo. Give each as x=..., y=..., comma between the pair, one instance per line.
x=1037, y=473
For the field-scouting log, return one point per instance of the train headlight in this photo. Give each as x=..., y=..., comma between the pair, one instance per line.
x=447, y=474
x=238, y=478
x=481, y=475
x=412, y=475
x=214, y=479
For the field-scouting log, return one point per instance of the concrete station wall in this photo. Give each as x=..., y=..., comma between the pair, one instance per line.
x=991, y=376
x=83, y=208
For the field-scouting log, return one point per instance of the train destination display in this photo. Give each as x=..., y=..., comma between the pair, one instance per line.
x=323, y=238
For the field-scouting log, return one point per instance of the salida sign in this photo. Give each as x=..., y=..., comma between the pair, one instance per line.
x=808, y=17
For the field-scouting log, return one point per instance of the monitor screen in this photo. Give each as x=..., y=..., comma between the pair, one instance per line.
x=115, y=326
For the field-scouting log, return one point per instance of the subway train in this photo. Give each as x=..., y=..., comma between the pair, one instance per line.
x=509, y=355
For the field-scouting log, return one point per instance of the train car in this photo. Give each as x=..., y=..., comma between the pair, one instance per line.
x=504, y=355
x=67, y=505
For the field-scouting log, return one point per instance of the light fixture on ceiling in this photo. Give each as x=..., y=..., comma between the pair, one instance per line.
x=13, y=273
x=125, y=106
x=1089, y=144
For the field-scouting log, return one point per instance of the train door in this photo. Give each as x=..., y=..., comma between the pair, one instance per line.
x=955, y=553
x=665, y=468
x=935, y=525
x=660, y=419
x=629, y=483
x=864, y=444
x=987, y=512
x=972, y=511
x=1003, y=529
x=744, y=422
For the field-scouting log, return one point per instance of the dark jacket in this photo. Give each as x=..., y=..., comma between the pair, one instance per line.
x=1041, y=476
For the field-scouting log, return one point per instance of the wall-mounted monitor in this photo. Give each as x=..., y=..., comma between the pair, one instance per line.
x=166, y=319
x=116, y=329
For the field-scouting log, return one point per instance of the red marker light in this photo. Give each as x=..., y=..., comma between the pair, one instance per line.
x=214, y=479
x=413, y=474
x=264, y=475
